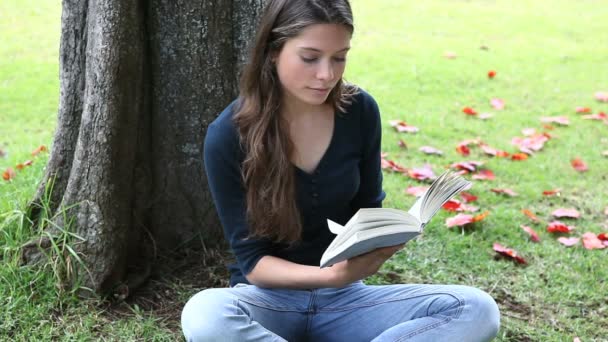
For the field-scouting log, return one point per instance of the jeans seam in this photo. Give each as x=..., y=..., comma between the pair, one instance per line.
x=461, y=304
x=237, y=306
x=368, y=304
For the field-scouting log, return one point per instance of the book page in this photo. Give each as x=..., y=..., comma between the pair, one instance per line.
x=444, y=188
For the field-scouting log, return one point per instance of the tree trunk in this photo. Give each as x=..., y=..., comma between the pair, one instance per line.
x=140, y=82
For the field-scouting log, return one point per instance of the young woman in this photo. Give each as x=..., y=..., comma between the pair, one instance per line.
x=299, y=146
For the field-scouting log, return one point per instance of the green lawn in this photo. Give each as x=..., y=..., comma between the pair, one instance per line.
x=550, y=57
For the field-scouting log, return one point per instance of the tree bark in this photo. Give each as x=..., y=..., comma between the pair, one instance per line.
x=140, y=82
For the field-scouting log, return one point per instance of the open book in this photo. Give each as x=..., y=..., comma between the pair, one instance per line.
x=373, y=228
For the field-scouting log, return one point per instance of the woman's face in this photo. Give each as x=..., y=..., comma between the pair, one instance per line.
x=311, y=63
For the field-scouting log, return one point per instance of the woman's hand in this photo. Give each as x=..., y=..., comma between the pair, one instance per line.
x=362, y=266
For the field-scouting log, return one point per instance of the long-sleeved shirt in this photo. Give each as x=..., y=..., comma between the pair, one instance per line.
x=348, y=177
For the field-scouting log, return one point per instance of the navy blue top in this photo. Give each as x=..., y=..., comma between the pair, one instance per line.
x=347, y=178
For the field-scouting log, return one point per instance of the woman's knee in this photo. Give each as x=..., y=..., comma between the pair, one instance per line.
x=204, y=315
x=484, y=309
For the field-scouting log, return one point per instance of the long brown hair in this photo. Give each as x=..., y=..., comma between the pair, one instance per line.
x=268, y=175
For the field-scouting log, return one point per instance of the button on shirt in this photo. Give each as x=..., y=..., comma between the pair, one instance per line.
x=347, y=178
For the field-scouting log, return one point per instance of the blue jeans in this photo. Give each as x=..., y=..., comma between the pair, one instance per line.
x=357, y=312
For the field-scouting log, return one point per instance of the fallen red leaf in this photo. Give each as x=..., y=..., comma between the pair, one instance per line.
x=560, y=120
x=389, y=164
x=602, y=236
x=39, y=149
x=509, y=253
x=481, y=216
x=530, y=215
x=450, y=54
x=553, y=192
x=468, y=198
x=491, y=74
x=566, y=212
x=498, y=104
x=459, y=220
x=519, y=156
x=590, y=241
x=533, y=235
x=492, y=151
x=559, y=227
x=8, y=174
x=582, y=110
x=601, y=96
x=484, y=175
x=463, y=150
x=469, y=111
x=451, y=205
x=531, y=143
x=568, y=241
x=598, y=116
x=469, y=166
x=416, y=190
x=504, y=191
x=422, y=173
x=579, y=165
x=430, y=150
x=402, y=126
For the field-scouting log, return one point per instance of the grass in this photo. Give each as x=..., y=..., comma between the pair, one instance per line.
x=549, y=57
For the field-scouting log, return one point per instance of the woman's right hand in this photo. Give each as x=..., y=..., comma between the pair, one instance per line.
x=361, y=266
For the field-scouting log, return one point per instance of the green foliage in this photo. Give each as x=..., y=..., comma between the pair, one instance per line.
x=549, y=57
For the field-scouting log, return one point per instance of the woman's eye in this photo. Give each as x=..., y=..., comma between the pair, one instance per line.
x=308, y=60
x=339, y=59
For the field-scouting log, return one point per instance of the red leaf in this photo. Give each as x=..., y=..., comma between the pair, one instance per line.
x=560, y=120
x=551, y=192
x=492, y=151
x=530, y=215
x=497, y=104
x=519, y=156
x=568, y=241
x=601, y=96
x=430, y=150
x=40, y=148
x=469, y=166
x=459, y=220
x=402, y=126
x=484, y=174
x=559, y=227
x=416, y=190
x=481, y=216
x=602, y=236
x=590, y=241
x=469, y=111
x=463, y=150
x=449, y=54
x=28, y=162
x=389, y=164
x=598, y=116
x=20, y=166
x=8, y=174
x=451, y=205
x=468, y=198
x=532, y=143
x=509, y=253
x=504, y=191
x=491, y=74
x=581, y=110
x=422, y=173
x=402, y=144
x=533, y=235
x=579, y=165
x=566, y=212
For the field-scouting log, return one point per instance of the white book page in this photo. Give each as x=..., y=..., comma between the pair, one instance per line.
x=444, y=188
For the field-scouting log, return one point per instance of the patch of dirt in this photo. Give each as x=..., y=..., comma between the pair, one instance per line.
x=509, y=306
x=170, y=286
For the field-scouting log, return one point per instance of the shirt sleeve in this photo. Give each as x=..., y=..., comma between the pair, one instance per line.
x=222, y=166
x=370, y=194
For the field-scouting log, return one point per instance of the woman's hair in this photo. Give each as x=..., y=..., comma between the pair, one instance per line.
x=267, y=171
